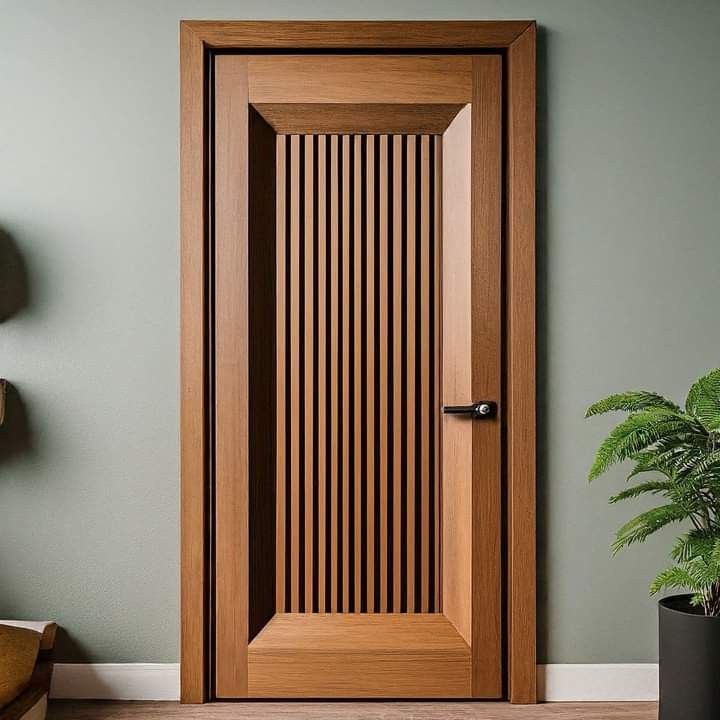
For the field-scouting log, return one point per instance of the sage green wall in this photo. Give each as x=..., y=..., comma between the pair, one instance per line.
x=629, y=277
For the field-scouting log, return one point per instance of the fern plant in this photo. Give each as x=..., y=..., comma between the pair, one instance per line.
x=676, y=456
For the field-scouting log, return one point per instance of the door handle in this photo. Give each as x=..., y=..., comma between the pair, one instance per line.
x=480, y=410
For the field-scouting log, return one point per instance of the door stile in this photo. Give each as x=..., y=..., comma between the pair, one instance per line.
x=232, y=359
x=486, y=328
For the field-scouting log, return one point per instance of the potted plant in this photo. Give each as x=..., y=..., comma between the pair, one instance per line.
x=676, y=456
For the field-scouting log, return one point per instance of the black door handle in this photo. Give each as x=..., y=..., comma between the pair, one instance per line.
x=480, y=410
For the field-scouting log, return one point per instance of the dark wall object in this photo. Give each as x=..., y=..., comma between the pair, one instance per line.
x=13, y=278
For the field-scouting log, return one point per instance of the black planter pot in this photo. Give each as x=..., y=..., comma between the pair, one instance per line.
x=689, y=661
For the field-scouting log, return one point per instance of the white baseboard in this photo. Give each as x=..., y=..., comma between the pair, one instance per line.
x=161, y=681
x=116, y=681
x=591, y=683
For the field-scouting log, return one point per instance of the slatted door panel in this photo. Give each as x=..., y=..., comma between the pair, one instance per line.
x=356, y=526
x=357, y=358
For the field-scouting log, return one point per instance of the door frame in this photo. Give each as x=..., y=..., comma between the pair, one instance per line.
x=515, y=40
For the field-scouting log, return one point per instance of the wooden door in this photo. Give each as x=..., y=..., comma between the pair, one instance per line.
x=357, y=294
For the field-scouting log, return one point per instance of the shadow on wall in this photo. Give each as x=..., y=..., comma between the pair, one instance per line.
x=15, y=435
x=543, y=248
x=69, y=649
x=14, y=293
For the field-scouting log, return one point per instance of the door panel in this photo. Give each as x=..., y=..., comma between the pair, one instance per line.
x=357, y=291
x=361, y=252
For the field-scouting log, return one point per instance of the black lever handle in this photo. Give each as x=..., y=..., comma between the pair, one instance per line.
x=480, y=410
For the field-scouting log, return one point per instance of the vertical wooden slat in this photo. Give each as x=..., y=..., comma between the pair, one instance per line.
x=280, y=377
x=370, y=377
x=294, y=360
x=410, y=212
x=425, y=370
x=383, y=343
x=322, y=377
x=309, y=314
x=346, y=353
x=346, y=470
x=437, y=366
x=334, y=371
x=397, y=210
x=357, y=378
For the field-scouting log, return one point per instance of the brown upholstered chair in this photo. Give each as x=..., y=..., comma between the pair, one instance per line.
x=25, y=668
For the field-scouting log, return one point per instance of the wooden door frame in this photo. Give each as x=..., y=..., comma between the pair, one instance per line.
x=516, y=41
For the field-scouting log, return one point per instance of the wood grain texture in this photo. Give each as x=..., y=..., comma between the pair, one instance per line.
x=344, y=350
x=362, y=119
x=193, y=370
x=471, y=324
x=383, y=335
x=370, y=331
x=416, y=35
x=356, y=655
x=334, y=370
x=457, y=343
x=397, y=368
x=521, y=506
x=436, y=397
x=424, y=358
x=309, y=395
x=411, y=245
x=323, y=471
x=327, y=79
x=358, y=389
x=371, y=401
x=429, y=710
x=232, y=354
x=521, y=432
x=295, y=378
x=486, y=373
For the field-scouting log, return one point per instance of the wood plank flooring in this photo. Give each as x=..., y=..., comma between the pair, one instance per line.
x=72, y=710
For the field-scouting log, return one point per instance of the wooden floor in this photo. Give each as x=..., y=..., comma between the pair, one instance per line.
x=350, y=711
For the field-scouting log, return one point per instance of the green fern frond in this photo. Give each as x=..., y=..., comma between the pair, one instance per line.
x=649, y=461
x=668, y=456
x=700, y=574
x=703, y=400
x=694, y=544
x=635, y=434
x=704, y=573
x=703, y=463
x=684, y=462
x=632, y=401
x=672, y=578
x=682, y=448
x=651, y=486
x=647, y=523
